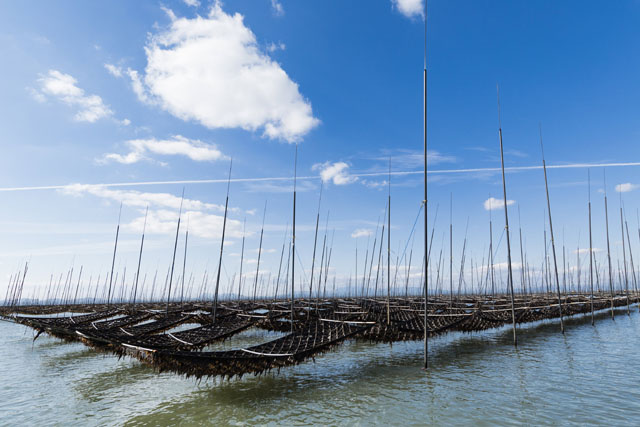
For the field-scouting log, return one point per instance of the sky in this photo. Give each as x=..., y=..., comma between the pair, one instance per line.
x=132, y=103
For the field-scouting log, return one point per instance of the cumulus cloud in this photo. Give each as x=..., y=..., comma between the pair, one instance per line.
x=192, y=3
x=177, y=146
x=409, y=8
x=337, y=172
x=492, y=203
x=64, y=87
x=626, y=187
x=211, y=70
x=361, y=232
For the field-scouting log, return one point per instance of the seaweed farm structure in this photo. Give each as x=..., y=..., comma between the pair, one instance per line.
x=176, y=329
x=147, y=331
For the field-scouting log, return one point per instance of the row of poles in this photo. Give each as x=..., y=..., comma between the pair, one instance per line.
x=508, y=237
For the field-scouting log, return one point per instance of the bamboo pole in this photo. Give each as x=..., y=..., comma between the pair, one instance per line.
x=315, y=242
x=244, y=226
x=293, y=239
x=389, y=251
x=184, y=262
x=426, y=263
x=255, y=284
x=606, y=215
x=113, y=261
x=175, y=248
x=624, y=258
x=553, y=244
x=144, y=227
x=590, y=251
x=214, y=309
x=506, y=225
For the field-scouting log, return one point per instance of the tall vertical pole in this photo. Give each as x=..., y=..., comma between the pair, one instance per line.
x=144, y=227
x=624, y=257
x=524, y=289
x=389, y=250
x=244, y=225
x=590, y=250
x=113, y=260
x=293, y=238
x=315, y=242
x=184, y=262
x=606, y=217
x=451, y=250
x=490, y=258
x=175, y=248
x=255, y=284
x=214, y=310
x=553, y=244
x=75, y=296
x=506, y=225
x=424, y=125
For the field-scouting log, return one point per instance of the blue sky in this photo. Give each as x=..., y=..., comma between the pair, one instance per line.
x=98, y=93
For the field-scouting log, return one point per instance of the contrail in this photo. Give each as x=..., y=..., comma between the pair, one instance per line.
x=317, y=177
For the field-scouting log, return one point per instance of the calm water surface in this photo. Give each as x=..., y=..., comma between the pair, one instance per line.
x=588, y=376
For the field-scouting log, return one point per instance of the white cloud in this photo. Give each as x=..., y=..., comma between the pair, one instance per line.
x=63, y=86
x=272, y=47
x=583, y=251
x=408, y=159
x=163, y=211
x=177, y=145
x=409, y=8
x=361, y=232
x=201, y=224
x=277, y=8
x=505, y=266
x=211, y=70
x=263, y=186
x=192, y=3
x=626, y=187
x=139, y=199
x=337, y=172
x=375, y=184
x=36, y=95
x=492, y=203
x=113, y=70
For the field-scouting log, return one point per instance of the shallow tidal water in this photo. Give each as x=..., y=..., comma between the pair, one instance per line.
x=590, y=375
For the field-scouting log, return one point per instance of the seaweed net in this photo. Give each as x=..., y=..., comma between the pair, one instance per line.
x=146, y=331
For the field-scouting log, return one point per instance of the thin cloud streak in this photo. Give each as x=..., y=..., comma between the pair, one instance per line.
x=317, y=177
